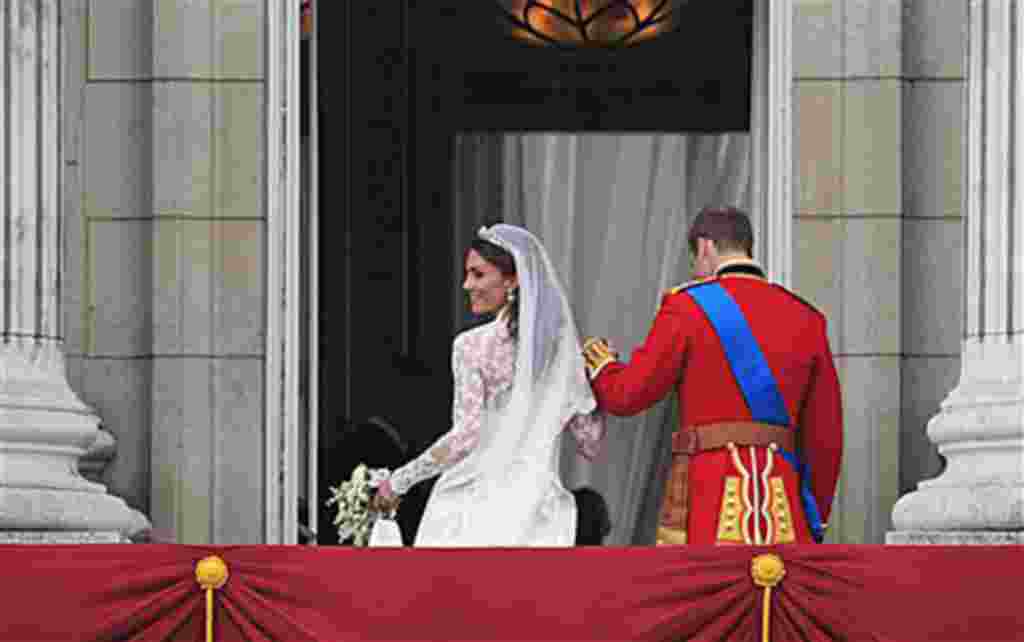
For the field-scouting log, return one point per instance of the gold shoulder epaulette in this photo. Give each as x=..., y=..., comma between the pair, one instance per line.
x=689, y=284
x=799, y=298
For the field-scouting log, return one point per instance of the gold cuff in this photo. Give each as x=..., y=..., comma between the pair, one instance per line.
x=597, y=355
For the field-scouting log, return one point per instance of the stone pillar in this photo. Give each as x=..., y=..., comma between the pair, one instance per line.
x=979, y=497
x=44, y=427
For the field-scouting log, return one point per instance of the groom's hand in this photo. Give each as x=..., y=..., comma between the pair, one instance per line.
x=606, y=344
x=598, y=353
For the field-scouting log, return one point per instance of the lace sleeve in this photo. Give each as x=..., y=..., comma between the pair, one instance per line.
x=453, y=446
x=589, y=431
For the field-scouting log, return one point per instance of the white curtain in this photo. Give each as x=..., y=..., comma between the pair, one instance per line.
x=612, y=211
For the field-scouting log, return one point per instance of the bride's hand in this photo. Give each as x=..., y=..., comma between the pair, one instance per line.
x=386, y=501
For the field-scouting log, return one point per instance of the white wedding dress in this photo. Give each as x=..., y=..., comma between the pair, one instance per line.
x=499, y=463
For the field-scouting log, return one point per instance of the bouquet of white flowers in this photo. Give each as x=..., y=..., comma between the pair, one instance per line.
x=356, y=509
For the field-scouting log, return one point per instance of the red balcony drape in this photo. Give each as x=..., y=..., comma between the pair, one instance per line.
x=149, y=592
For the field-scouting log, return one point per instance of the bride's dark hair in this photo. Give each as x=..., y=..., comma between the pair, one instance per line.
x=500, y=258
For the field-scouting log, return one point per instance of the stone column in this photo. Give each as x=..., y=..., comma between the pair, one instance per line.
x=979, y=497
x=44, y=427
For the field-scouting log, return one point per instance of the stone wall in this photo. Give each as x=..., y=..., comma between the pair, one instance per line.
x=164, y=219
x=164, y=258
x=878, y=234
x=935, y=89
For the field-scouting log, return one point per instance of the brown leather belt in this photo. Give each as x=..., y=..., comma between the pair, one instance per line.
x=697, y=439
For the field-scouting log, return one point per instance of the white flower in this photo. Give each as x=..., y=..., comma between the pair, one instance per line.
x=354, y=518
x=345, y=532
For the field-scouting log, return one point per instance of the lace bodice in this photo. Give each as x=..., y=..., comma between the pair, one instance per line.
x=483, y=364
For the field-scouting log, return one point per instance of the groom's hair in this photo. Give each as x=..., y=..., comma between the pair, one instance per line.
x=728, y=227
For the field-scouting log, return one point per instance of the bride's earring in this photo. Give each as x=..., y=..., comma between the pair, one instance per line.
x=510, y=296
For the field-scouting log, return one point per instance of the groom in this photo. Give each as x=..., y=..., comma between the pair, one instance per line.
x=755, y=458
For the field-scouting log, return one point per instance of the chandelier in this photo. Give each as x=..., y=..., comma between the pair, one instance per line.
x=589, y=23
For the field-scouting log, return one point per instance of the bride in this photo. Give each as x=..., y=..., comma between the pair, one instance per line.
x=519, y=383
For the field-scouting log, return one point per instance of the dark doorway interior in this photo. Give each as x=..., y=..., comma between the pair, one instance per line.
x=398, y=79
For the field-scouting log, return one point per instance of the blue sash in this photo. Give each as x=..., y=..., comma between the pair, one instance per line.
x=755, y=380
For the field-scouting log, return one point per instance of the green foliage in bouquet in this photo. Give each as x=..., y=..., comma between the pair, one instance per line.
x=356, y=510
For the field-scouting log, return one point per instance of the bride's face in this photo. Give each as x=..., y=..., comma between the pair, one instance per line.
x=486, y=286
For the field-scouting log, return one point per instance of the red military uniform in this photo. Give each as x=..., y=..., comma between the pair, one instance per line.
x=732, y=498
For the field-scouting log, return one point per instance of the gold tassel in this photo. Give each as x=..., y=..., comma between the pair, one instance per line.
x=211, y=573
x=670, y=536
x=767, y=571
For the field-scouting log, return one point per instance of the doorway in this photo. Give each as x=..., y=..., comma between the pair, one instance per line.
x=390, y=108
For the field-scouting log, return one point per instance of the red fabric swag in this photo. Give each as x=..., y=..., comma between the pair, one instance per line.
x=857, y=593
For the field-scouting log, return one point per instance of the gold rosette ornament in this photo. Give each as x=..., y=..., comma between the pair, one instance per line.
x=211, y=573
x=767, y=571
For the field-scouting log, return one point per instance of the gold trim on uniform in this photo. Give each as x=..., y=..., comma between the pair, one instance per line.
x=748, y=507
x=597, y=355
x=782, y=516
x=738, y=506
x=769, y=523
x=682, y=286
x=741, y=275
x=731, y=262
x=729, y=530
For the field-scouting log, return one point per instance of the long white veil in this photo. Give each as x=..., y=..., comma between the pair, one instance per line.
x=519, y=499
